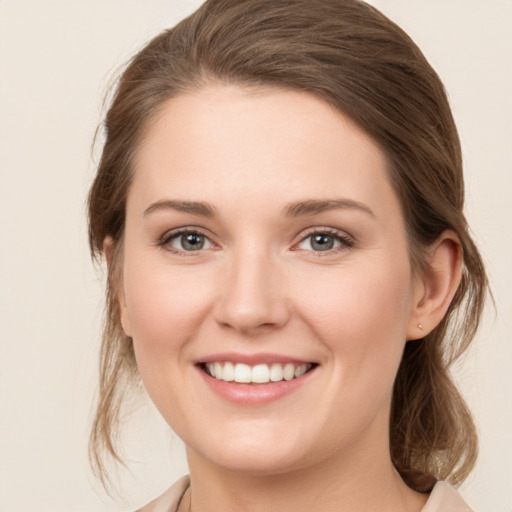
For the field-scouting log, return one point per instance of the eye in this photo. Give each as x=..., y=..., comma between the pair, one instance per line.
x=323, y=241
x=186, y=241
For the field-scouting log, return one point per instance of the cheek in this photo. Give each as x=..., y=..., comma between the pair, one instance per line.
x=163, y=307
x=165, y=310
x=355, y=300
x=361, y=315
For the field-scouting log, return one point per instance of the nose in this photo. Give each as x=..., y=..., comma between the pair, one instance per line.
x=252, y=298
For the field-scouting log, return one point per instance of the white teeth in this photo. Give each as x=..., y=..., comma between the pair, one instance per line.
x=289, y=371
x=276, y=372
x=300, y=370
x=258, y=374
x=227, y=373
x=242, y=373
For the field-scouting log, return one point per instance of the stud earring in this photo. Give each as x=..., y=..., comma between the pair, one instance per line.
x=420, y=327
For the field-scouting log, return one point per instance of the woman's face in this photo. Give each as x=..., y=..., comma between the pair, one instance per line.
x=263, y=240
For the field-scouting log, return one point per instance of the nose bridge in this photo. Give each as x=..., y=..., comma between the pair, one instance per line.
x=252, y=296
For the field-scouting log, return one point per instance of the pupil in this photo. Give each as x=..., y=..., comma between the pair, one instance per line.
x=322, y=242
x=192, y=242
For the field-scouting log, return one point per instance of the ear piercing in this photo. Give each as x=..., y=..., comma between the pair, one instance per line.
x=420, y=327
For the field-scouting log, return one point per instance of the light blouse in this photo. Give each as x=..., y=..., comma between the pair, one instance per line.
x=443, y=498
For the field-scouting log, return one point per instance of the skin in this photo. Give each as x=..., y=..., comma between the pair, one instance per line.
x=259, y=285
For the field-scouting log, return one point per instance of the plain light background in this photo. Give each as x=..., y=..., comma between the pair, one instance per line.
x=56, y=60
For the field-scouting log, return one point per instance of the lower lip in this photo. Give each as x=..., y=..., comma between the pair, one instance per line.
x=254, y=394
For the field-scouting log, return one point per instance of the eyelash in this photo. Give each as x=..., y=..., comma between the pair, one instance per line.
x=345, y=241
x=169, y=236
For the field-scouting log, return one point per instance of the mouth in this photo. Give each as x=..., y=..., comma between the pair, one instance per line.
x=260, y=373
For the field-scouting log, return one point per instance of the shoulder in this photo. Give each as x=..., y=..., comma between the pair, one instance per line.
x=444, y=498
x=169, y=500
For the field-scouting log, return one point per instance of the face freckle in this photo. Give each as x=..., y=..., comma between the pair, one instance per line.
x=262, y=229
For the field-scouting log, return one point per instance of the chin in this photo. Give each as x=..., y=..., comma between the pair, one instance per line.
x=255, y=455
x=261, y=463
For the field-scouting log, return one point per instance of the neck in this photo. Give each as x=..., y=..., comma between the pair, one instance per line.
x=339, y=483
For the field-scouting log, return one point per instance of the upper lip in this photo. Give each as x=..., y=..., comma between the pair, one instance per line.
x=251, y=359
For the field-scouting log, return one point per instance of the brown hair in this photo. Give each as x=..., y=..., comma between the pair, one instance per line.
x=351, y=56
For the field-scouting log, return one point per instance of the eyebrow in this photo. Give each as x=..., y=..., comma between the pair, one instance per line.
x=314, y=206
x=193, y=207
x=296, y=209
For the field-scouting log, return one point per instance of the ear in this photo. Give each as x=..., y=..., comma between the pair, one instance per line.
x=115, y=276
x=436, y=286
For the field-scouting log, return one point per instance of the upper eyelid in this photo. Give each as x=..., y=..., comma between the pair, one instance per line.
x=171, y=233
x=323, y=229
x=327, y=230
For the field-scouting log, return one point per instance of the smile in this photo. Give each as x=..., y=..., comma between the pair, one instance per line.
x=257, y=374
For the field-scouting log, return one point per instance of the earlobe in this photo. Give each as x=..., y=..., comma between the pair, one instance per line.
x=116, y=282
x=108, y=251
x=437, y=285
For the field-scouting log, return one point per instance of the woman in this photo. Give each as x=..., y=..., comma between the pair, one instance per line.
x=279, y=202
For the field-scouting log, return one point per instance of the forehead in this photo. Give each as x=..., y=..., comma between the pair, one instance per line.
x=267, y=144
